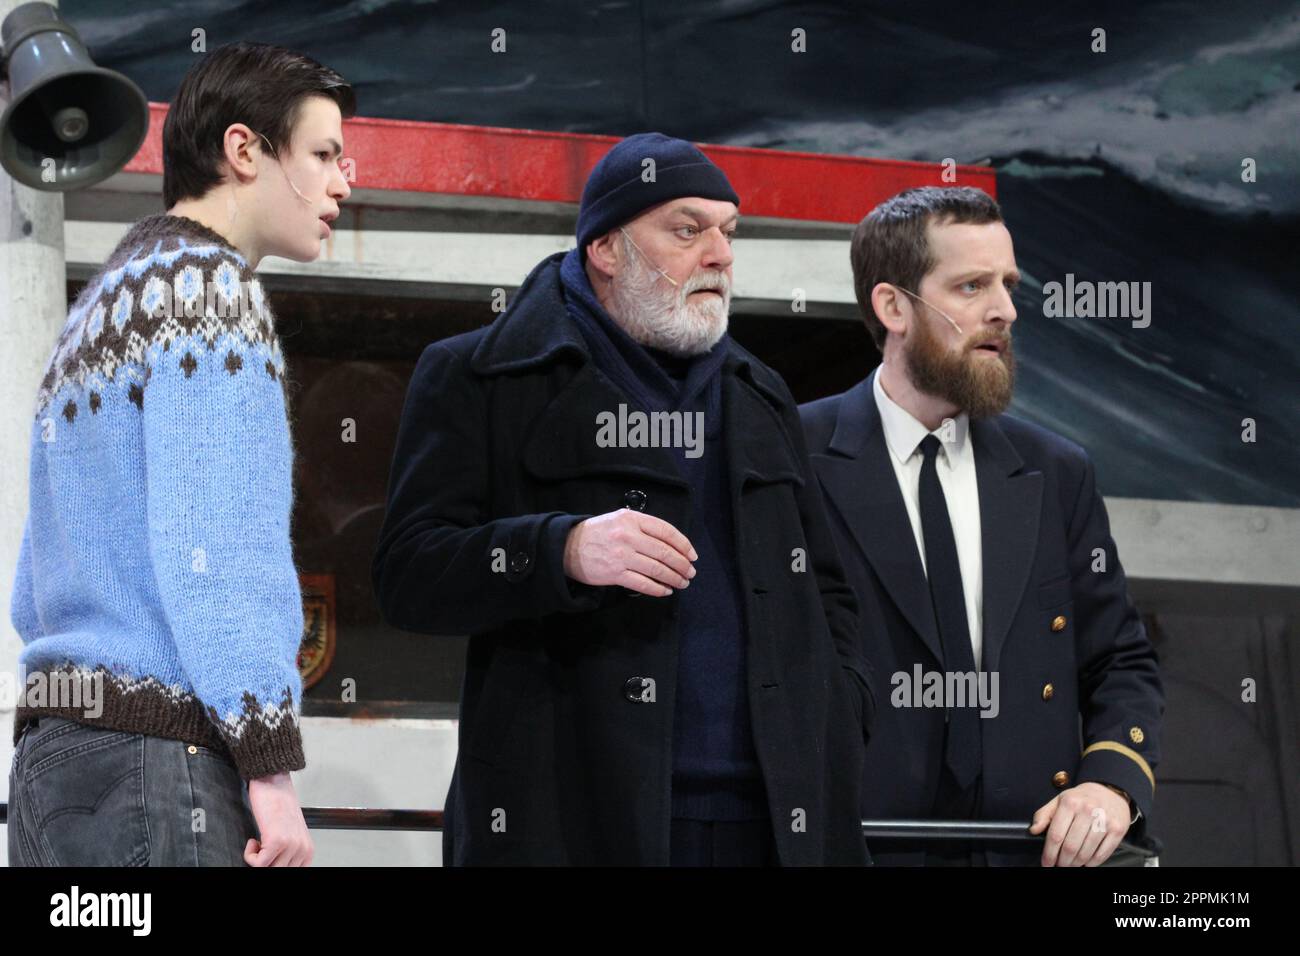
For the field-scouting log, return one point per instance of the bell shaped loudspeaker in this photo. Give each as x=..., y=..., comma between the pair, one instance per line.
x=67, y=123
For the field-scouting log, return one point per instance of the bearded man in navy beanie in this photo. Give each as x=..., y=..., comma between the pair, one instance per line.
x=613, y=499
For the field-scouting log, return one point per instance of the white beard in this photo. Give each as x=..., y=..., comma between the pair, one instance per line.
x=655, y=313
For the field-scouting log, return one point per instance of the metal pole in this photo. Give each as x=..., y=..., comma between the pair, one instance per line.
x=33, y=307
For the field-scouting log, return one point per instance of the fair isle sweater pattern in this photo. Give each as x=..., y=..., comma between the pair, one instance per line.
x=156, y=563
x=154, y=295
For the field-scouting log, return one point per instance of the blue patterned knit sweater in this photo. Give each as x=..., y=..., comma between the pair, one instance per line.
x=156, y=569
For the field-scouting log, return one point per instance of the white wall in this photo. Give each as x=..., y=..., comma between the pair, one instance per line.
x=395, y=764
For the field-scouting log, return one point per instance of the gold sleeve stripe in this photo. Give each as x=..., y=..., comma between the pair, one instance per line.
x=1133, y=755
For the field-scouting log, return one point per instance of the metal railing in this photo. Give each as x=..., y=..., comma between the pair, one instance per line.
x=1002, y=834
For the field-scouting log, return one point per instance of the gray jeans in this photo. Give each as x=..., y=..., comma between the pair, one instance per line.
x=87, y=796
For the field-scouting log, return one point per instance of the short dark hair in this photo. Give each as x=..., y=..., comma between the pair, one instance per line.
x=260, y=85
x=890, y=244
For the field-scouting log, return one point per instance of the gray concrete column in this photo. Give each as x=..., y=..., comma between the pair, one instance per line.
x=33, y=307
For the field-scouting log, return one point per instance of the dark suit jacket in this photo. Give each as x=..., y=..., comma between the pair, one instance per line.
x=1051, y=616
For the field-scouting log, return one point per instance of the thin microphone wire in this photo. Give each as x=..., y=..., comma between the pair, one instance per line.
x=935, y=307
x=645, y=257
x=286, y=174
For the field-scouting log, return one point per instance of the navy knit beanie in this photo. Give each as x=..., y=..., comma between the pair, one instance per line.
x=616, y=192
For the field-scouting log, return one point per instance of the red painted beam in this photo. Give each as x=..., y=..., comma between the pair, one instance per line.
x=537, y=165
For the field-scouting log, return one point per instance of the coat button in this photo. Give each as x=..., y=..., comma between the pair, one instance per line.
x=1048, y=691
x=519, y=562
x=1135, y=734
x=1060, y=780
x=1058, y=623
x=192, y=749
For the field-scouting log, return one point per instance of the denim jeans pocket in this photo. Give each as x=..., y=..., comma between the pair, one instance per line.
x=84, y=791
x=215, y=753
x=220, y=820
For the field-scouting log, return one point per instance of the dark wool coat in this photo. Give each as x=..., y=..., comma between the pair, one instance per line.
x=567, y=708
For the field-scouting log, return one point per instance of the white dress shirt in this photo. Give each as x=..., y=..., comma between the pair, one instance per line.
x=955, y=465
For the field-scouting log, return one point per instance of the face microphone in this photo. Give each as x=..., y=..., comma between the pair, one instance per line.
x=645, y=257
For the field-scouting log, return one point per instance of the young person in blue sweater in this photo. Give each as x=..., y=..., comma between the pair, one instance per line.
x=156, y=592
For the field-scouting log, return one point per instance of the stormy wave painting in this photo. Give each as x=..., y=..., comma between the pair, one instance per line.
x=1168, y=161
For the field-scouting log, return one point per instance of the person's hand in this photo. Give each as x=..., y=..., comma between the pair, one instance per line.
x=1087, y=823
x=285, y=840
x=637, y=551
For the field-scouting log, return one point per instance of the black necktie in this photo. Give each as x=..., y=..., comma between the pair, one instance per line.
x=962, y=750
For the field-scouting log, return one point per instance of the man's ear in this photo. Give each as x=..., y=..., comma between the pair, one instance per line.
x=239, y=145
x=887, y=303
x=604, y=255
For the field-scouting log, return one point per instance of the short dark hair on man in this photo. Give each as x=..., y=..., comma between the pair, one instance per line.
x=260, y=85
x=890, y=243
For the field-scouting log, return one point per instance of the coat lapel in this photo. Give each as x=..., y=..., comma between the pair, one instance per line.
x=758, y=445
x=536, y=330
x=1010, y=507
x=862, y=486
x=562, y=443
